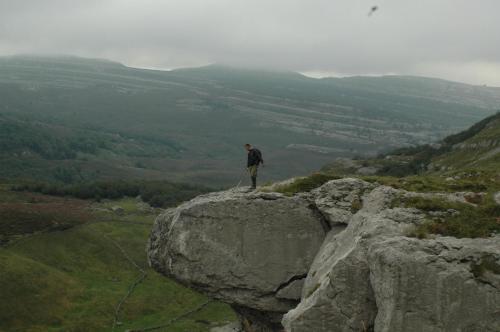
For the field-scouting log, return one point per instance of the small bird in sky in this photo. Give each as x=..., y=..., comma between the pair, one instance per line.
x=373, y=10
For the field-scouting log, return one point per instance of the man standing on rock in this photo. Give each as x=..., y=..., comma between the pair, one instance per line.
x=253, y=162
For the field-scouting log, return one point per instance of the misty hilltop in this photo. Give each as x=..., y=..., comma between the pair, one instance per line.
x=101, y=119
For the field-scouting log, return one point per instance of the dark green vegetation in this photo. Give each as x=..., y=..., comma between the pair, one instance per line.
x=454, y=218
x=34, y=213
x=161, y=194
x=70, y=120
x=72, y=278
x=465, y=162
x=475, y=181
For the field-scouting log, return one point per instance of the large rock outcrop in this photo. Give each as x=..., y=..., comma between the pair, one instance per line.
x=435, y=285
x=363, y=273
x=250, y=250
x=372, y=277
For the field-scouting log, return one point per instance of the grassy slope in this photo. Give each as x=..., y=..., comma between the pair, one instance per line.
x=466, y=162
x=72, y=280
x=480, y=152
x=465, y=220
x=473, y=161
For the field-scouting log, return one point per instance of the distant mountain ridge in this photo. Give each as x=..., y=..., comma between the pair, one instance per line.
x=189, y=124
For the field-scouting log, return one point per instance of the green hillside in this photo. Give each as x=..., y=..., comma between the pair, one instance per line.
x=97, y=119
x=466, y=162
x=67, y=265
x=478, y=148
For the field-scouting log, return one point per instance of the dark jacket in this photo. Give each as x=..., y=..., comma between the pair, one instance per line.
x=254, y=157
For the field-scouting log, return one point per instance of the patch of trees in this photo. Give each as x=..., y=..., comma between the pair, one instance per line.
x=47, y=141
x=156, y=193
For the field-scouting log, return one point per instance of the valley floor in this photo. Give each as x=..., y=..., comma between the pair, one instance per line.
x=84, y=269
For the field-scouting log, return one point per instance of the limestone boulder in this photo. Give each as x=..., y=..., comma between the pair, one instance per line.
x=251, y=250
x=339, y=200
x=371, y=277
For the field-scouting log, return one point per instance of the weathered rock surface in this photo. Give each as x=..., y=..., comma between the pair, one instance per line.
x=277, y=185
x=249, y=250
x=435, y=285
x=117, y=209
x=341, y=251
x=338, y=200
x=367, y=170
x=372, y=277
x=337, y=294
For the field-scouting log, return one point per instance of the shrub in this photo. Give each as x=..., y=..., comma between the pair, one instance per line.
x=465, y=221
x=156, y=193
x=22, y=218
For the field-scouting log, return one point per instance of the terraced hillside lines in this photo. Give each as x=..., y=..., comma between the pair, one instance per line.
x=82, y=278
x=102, y=120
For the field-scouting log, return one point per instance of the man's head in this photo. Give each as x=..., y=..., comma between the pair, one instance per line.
x=248, y=147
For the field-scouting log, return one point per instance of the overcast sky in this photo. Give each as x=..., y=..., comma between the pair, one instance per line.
x=454, y=39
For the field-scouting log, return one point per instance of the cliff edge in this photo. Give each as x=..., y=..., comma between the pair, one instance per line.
x=338, y=258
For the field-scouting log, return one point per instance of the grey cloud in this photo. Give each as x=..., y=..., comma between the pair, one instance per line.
x=445, y=38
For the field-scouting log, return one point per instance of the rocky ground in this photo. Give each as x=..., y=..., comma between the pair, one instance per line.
x=337, y=258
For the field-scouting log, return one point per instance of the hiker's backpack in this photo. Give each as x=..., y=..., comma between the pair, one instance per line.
x=259, y=155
